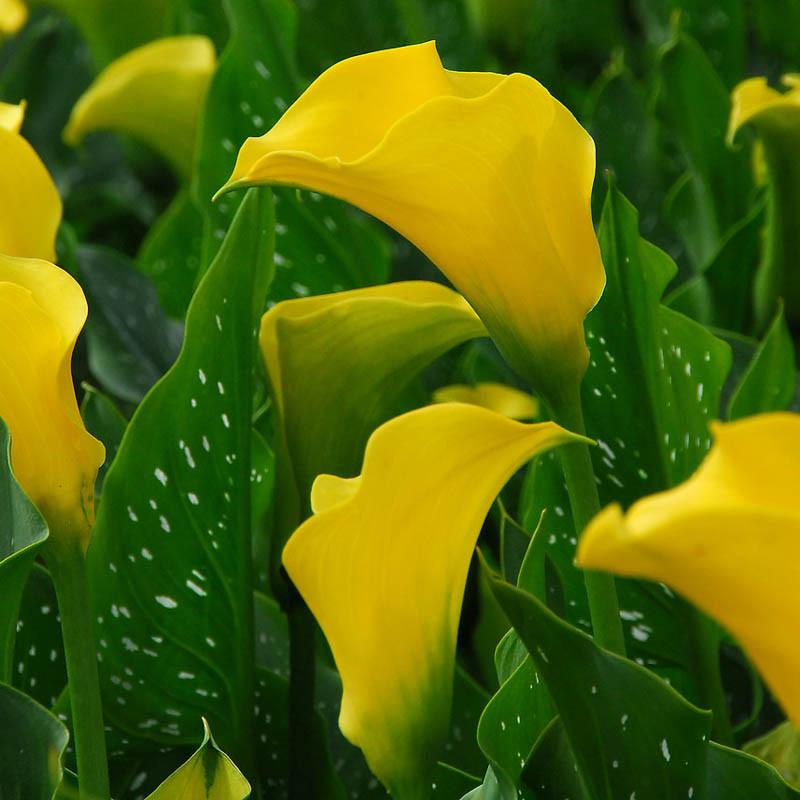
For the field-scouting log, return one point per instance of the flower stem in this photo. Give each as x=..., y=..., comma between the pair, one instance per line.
x=302, y=783
x=705, y=655
x=585, y=503
x=67, y=566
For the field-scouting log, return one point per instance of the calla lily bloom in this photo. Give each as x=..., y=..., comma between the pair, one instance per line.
x=506, y=400
x=487, y=174
x=155, y=94
x=728, y=539
x=363, y=347
x=391, y=618
x=775, y=117
x=13, y=15
x=54, y=458
x=30, y=208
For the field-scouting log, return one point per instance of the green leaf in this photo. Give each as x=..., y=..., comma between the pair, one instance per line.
x=208, y=775
x=105, y=422
x=31, y=748
x=170, y=558
x=769, y=383
x=131, y=342
x=695, y=105
x=494, y=787
x=40, y=669
x=22, y=533
x=629, y=731
x=734, y=775
x=321, y=245
x=653, y=384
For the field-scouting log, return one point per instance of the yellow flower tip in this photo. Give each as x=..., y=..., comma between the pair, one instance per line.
x=329, y=491
x=12, y=115
x=154, y=93
x=600, y=543
x=436, y=154
x=506, y=400
x=13, y=15
x=428, y=480
x=53, y=456
x=30, y=207
x=754, y=101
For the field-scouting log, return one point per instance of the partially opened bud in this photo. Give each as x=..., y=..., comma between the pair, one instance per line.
x=53, y=456
x=155, y=94
x=489, y=175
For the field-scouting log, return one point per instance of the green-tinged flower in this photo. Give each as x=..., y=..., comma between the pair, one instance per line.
x=30, y=208
x=487, y=174
x=506, y=400
x=391, y=616
x=775, y=117
x=337, y=364
x=155, y=94
x=728, y=539
x=54, y=458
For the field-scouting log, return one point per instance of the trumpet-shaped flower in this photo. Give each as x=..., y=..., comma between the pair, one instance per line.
x=775, y=117
x=155, y=94
x=337, y=364
x=30, y=208
x=506, y=400
x=390, y=616
x=54, y=458
x=728, y=539
x=487, y=174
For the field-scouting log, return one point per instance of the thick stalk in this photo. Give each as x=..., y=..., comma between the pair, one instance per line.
x=585, y=503
x=303, y=765
x=705, y=655
x=67, y=566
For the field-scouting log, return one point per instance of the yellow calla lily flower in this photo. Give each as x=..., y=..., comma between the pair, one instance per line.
x=30, y=207
x=337, y=364
x=391, y=618
x=775, y=116
x=54, y=458
x=506, y=400
x=154, y=93
x=13, y=15
x=487, y=174
x=728, y=539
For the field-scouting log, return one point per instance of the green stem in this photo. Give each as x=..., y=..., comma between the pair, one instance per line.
x=414, y=17
x=705, y=655
x=303, y=765
x=585, y=503
x=67, y=566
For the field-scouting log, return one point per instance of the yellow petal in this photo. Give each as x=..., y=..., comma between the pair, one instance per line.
x=498, y=397
x=154, y=93
x=30, y=208
x=54, y=458
x=13, y=15
x=12, y=115
x=391, y=617
x=208, y=775
x=728, y=539
x=337, y=363
x=489, y=175
x=755, y=102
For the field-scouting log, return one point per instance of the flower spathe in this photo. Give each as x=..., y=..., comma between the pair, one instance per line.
x=728, y=539
x=53, y=456
x=391, y=617
x=154, y=93
x=506, y=400
x=487, y=174
x=30, y=207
